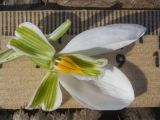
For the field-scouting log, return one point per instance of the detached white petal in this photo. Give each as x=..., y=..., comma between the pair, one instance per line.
x=104, y=39
x=112, y=92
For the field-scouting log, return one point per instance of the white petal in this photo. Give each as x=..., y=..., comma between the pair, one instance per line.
x=112, y=92
x=104, y=39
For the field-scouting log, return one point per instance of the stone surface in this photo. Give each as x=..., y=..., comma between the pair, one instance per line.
x=15, y=2
x=92, y=3
x=109, y=3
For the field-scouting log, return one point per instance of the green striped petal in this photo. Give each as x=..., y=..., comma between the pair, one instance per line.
x=48, y=95
x=87, y=62
x=9, y=55
x=33, y=30
x=21, y=47
x=93, y=69
x=60, y=31
x=31, y=41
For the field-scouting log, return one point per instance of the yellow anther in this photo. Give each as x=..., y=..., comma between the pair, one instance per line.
x=67, y=65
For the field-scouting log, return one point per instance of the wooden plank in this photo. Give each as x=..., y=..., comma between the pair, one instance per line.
x=20, y=78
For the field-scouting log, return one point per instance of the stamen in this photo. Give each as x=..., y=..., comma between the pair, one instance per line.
x=80, y=67
x=66, y=65
x=57, y=61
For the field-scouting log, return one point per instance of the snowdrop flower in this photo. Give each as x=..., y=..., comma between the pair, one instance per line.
x=92, y=82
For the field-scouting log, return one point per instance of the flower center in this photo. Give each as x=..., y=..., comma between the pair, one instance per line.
x=80, y=66
x=67, y=65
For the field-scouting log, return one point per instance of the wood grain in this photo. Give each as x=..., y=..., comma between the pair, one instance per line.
x=19, y=79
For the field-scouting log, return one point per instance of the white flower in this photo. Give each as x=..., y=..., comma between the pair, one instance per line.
x=92, y=82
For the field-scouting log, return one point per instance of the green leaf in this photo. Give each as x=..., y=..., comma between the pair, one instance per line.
x=46, y=93
x=60, y=31
x=9, y=55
